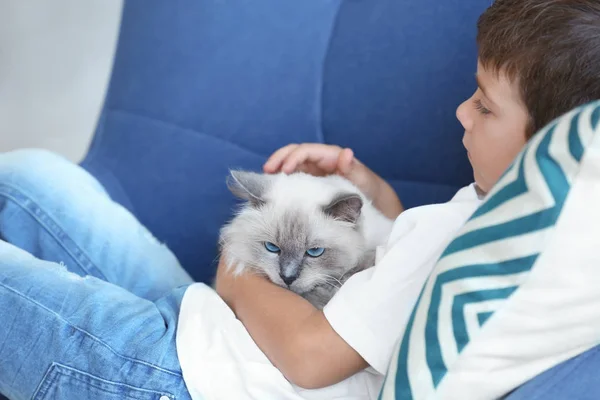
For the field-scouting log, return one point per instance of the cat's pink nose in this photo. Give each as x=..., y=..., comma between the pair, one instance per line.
x=288, y=279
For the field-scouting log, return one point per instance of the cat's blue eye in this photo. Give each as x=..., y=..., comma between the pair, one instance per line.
x=272, y=248
x=315, y=251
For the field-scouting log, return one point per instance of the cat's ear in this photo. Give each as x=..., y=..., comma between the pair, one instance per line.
x=248, y=186
x=345, y=207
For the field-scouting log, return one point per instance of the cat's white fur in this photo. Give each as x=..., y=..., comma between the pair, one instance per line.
x=294, y=204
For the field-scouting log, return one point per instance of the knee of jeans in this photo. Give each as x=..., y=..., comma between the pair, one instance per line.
x=34, y=170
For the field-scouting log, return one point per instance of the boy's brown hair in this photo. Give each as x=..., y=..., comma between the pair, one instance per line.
x=551, y=48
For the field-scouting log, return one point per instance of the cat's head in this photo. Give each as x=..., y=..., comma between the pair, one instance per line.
x=299, y=230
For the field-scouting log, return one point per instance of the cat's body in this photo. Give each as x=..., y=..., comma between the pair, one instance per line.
x=308, y=234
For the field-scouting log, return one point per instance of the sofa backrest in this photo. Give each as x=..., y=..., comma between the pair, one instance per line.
x=202, y=86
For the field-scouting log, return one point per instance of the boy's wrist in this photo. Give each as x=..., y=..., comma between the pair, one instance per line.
x=366, y=180
x=231, y=286
x=376, y=189
x=386, y=199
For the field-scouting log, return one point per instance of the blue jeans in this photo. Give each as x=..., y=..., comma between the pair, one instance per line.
x=89, y=300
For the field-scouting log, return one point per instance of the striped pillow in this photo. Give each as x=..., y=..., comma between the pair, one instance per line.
x=516, y=292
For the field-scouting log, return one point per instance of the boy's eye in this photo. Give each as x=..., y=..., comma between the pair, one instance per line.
x=272, y=248
x=315, y=251
x=480, y=107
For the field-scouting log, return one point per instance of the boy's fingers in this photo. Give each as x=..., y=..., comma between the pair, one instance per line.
x=274, y=162
x=311, y=169
x=294, y=159
x=313, y=153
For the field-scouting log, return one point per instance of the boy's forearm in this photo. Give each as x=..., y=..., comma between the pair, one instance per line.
x=293, y=334
x=387, y=201
x=273, y=319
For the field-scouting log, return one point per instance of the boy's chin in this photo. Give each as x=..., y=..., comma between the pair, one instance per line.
x=479, y=190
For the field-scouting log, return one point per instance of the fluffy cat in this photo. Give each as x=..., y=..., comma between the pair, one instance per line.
x=305, y=233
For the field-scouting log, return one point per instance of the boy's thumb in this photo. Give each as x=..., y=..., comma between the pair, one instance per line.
x=345, y=161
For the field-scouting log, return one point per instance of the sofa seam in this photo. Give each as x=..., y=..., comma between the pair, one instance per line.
x=321, y=86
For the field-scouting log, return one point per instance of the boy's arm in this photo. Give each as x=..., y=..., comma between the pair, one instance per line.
x=387, y=201
x=292, y=333
x=324, y=159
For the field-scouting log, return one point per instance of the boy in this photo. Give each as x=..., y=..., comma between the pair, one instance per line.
x=537, y=60
x=154, y=334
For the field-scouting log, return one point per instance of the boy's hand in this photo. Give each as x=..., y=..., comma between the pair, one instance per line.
x=322, y=159
x=313, y=158
x=227, y=283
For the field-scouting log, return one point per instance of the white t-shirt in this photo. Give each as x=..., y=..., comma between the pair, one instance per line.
x=220, y=360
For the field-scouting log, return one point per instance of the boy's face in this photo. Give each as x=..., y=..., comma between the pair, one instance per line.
x=495, y=120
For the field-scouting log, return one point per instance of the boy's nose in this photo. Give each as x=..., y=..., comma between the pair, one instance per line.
x=463, y=116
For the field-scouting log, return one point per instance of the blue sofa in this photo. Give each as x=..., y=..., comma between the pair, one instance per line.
x=202, y=86
x=199, y=87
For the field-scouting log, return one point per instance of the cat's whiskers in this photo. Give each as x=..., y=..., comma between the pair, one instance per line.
x=327, y=279
x=330, y=284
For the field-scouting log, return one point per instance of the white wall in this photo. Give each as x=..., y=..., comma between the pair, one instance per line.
x=55, y=60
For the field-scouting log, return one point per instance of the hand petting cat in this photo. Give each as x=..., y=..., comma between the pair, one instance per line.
x=323, y=159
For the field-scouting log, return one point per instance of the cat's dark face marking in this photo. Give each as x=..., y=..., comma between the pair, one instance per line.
x=294, y=237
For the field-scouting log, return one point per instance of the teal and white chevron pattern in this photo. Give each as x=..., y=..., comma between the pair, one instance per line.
x=490, y=257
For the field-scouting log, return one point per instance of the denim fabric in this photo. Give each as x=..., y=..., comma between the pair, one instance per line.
x=89, y=299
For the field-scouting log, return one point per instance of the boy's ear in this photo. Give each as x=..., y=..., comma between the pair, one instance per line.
x=345, y=207
x=248, y=186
